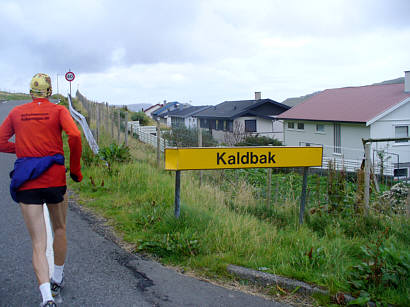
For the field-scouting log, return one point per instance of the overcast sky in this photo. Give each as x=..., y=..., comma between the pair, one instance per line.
x=202, y=52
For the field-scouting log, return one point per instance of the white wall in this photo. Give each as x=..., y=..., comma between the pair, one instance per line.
x=385, y=128
x=351, y=137
x=265, y=127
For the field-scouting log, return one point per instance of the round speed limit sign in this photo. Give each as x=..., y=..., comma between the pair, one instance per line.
x=70, y=76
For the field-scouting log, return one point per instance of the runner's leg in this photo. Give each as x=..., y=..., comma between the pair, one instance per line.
x=58, y=213
x=34, y=219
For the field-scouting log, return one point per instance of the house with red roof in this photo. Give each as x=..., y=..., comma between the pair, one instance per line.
x=338, y=119
x=152, y=109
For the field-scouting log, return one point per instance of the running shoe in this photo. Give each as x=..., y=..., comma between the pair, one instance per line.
x=49, y=303
x=56, y=287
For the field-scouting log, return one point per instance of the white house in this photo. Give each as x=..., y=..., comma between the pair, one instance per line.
x=338, y=119
x=185, y=117
x=248, y=117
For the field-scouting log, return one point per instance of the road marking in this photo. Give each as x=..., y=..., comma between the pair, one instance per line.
x=49, y=250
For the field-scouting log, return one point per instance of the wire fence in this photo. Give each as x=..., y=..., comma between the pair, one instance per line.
x=112, y=121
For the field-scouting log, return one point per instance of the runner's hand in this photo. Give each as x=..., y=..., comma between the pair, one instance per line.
x=74, y=177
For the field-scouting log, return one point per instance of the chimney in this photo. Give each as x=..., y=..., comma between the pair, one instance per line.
x=407, y=81
x=258, y=95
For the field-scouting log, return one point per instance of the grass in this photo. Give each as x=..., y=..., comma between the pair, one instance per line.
x=221, y=226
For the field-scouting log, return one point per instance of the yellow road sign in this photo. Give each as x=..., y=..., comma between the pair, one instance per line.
x=241, y=157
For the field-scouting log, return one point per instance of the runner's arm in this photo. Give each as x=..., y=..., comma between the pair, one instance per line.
x=6, y=132
x=74, y=142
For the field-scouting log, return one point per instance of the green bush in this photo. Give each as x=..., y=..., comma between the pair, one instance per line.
x=182, y=136
x=383, y=266
x=88, y=156
x=141, y=117
x=115, y=153
x=259, y=141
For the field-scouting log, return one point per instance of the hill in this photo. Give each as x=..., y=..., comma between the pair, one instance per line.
x=13, y=96
x=291, y=102
x=136, y=107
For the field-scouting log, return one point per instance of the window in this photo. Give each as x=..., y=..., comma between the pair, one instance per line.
x=337, y=139
x=212, y=124
x=230, y=125
x=250, y=125
x=400, y=172
x=301, y=126
x=291, y=125
x=220, y=124
x=320, y=128
x=401, y=132
x=203, y=123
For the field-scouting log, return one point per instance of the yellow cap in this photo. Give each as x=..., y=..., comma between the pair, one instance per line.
x=40, y=86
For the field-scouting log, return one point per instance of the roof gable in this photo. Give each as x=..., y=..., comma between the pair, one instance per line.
x=186, y=112
x=390, y=110
x=152, y=107
x=234, y=109
x=350, y=104
x=165, y=107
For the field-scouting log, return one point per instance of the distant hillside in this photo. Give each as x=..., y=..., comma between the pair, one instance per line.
x=392, y=81
x=291, y=102
x=136, y=107
x=13, y=96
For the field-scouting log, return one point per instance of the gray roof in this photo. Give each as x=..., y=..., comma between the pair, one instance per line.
x=234, y=109
x=186, y=112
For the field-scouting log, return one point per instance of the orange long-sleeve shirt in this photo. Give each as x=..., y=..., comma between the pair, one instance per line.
x=37, y=127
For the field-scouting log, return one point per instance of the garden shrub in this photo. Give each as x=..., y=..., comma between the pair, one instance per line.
x=259, y=141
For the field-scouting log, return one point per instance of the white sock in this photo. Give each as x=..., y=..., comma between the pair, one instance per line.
x=46, y=292
x=58, y=273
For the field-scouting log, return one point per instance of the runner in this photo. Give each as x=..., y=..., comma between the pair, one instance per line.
x=39, y=176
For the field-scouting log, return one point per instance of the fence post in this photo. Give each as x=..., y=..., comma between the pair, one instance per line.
x=303, y=196
x=277, y=190
x=112, y=123
x=200, y=145
x=119, y=127
x=158, y=144
x=408, y=202
x=107, y=117
x=126, y=128
x=269, y=188
x=366, y=178
x=98, y=122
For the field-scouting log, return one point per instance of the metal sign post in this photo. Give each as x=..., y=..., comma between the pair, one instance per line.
x=70, y=76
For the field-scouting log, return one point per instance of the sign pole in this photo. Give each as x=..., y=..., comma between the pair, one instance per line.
x=69, y=76
x=177, y=193
x=303, y=196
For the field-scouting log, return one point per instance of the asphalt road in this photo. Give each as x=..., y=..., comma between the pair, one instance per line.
x=97, y=271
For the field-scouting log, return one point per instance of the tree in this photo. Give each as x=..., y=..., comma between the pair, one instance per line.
x=182, y=136
x=259, y=141
x=237, y=135
x=141, y=117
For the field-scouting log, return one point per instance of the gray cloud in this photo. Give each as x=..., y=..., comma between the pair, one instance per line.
x=224, y=48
